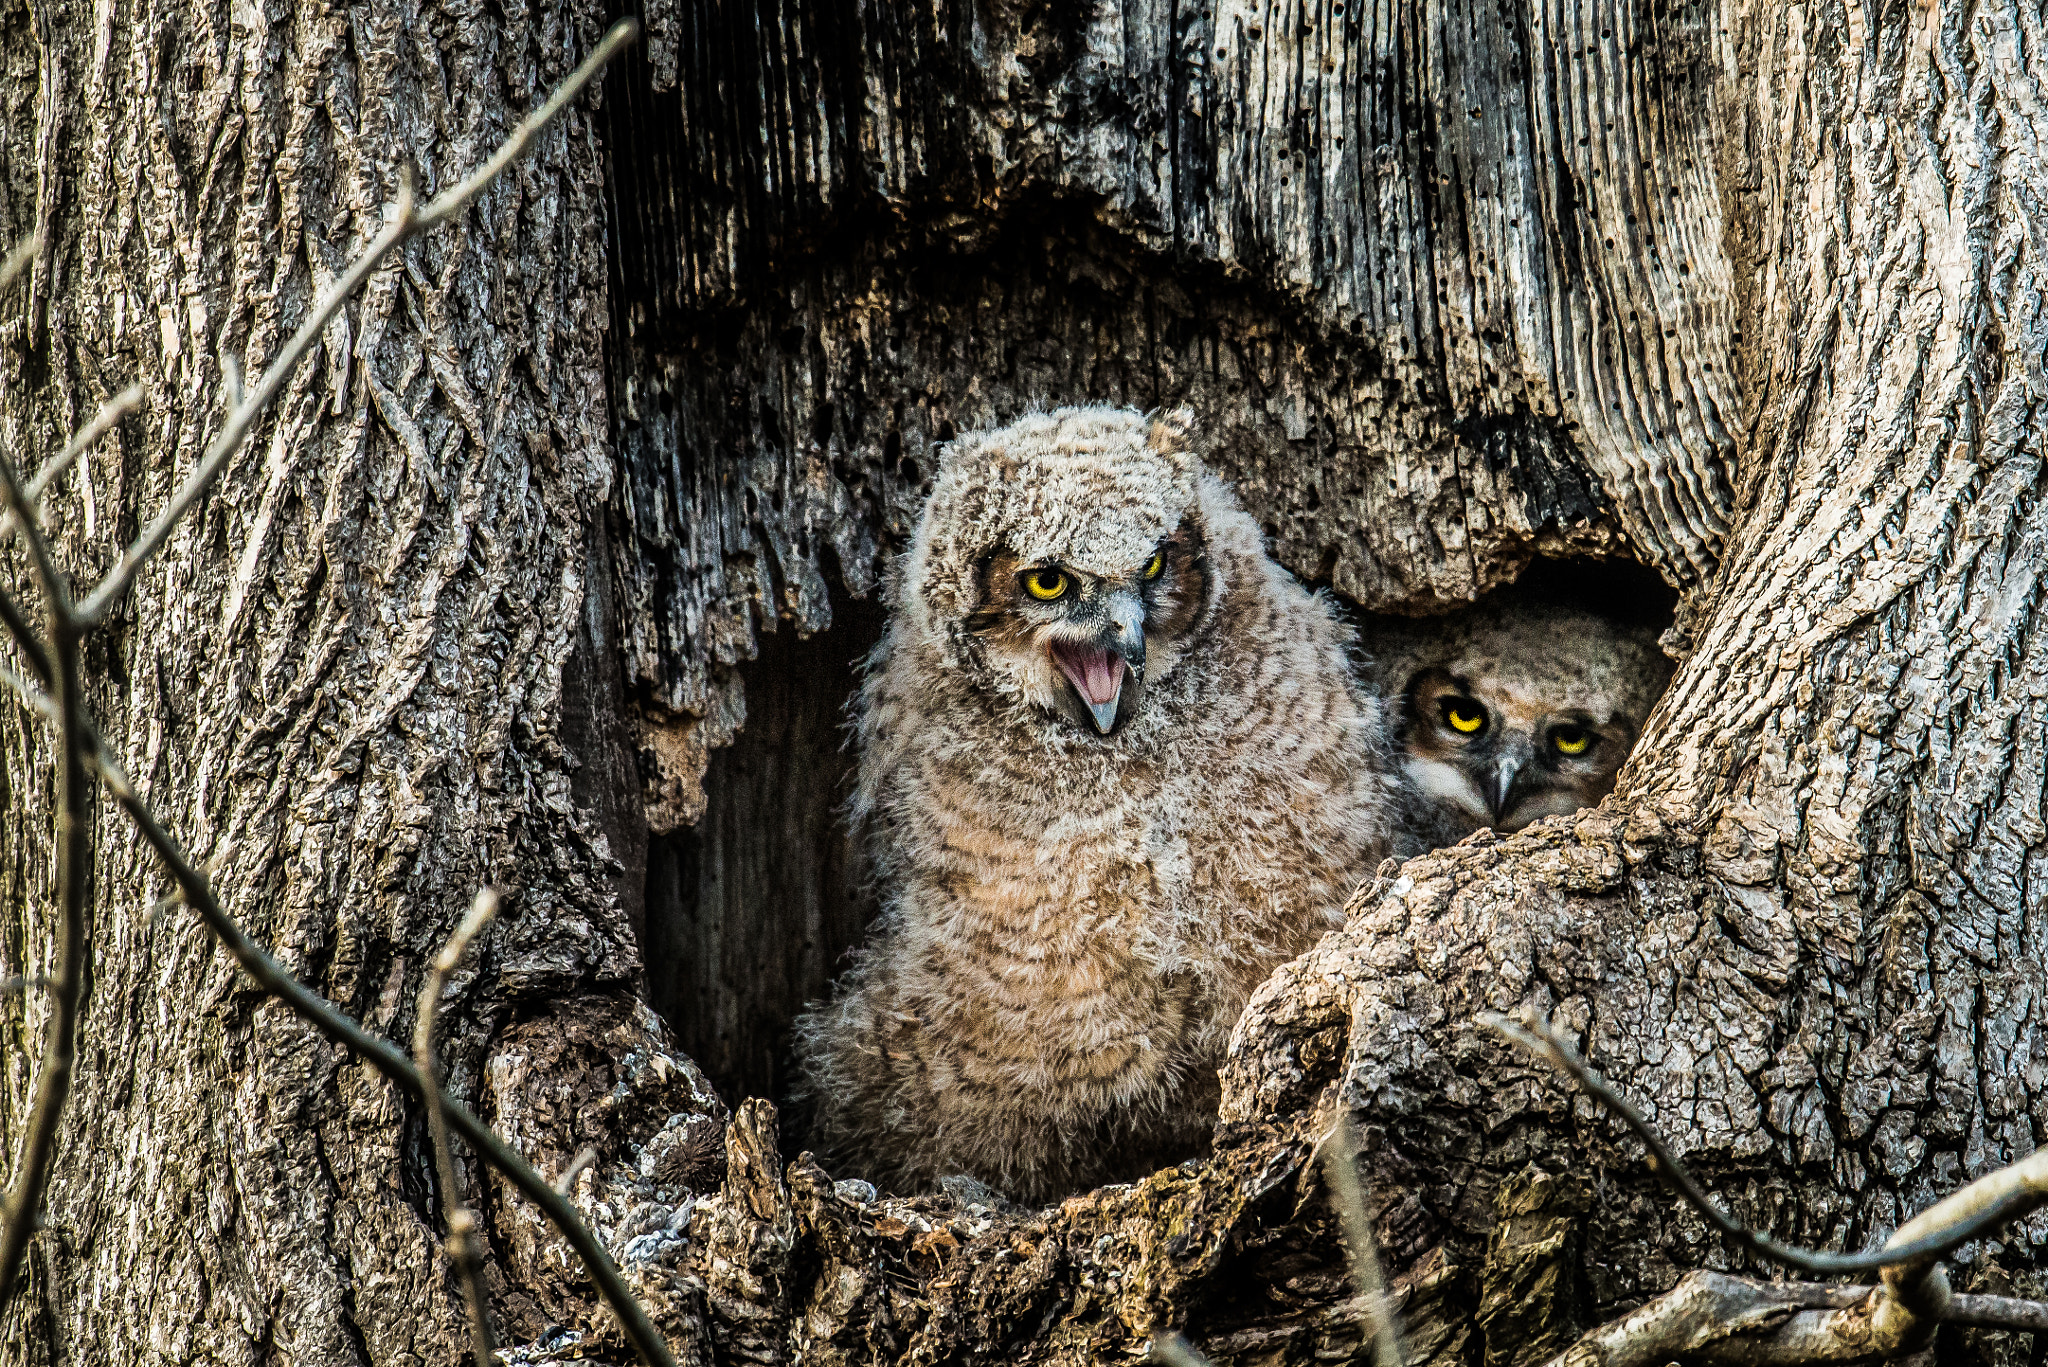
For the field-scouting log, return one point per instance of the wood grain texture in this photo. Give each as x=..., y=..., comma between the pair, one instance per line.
x=1806, y=931
x=1444, y=285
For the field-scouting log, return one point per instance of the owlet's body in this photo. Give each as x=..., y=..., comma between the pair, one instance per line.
x=1114, y=768
x=1517, y=709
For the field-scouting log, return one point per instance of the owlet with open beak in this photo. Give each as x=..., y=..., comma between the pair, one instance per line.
x=1115, y=767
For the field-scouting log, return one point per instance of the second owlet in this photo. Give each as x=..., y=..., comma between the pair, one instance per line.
x=1114, y=768
x=1517, y=709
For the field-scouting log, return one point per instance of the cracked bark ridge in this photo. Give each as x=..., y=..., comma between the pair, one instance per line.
x=1444, y=286
x=1484, y=1166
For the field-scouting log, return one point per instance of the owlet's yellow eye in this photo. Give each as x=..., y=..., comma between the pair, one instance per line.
x=1155, y=565
x=1045, y=585
x=1464, y=717
x=1571, y=740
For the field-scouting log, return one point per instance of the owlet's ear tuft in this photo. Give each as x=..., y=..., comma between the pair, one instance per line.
x=1173, y=432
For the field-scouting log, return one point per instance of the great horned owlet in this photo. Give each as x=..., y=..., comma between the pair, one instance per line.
x=1114, y=768
x=1517, y=709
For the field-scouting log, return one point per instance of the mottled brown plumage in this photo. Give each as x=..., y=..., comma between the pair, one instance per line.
x=1516, y=709
x=1103, y=797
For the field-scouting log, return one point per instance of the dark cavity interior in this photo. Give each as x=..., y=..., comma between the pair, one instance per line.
x=751, y=911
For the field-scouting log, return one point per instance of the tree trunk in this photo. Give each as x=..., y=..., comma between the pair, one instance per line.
x=375, y=671
x=1744, y=294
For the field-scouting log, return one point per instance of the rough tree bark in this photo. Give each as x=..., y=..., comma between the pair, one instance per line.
x=369, y=676
x=1746, y=293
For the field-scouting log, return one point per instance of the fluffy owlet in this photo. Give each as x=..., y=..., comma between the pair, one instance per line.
x=1517, y=709
x=1114, y=767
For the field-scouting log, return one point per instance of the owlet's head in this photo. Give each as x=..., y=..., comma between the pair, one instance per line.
x=1062, y=562
x=1519, y=709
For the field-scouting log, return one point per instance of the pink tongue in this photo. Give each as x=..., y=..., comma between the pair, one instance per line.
x=1095, y=671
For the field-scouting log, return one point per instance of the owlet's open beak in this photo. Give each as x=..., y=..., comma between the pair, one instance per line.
x=1097, y=674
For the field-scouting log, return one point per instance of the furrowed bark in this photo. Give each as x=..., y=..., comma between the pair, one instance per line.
x=345, y=670
x=1801, y=930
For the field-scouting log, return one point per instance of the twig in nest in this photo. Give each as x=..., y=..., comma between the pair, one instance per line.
x=463, y=1236
x=1340, y=1169
x=1539, y=1037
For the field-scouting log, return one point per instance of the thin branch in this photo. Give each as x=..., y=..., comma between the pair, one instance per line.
x=406, y=221
x=386, y=1058
x=1998, y=1312
x=586, y=1159
x=238, y=423
x=57, y=662
x=2010, y=1193
x=26, y=638
x=111, y=412
x=452, y=202
x=21, y=1213
x=1713, y=1318
x=20, y=505
x=462, y=1231
x=1980, y=1215
x=270, y=975
x=10, y=986
x=1340, y=1170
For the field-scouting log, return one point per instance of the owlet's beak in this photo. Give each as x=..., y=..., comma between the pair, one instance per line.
x=1101, y=666
x=1097, y=674
x=1513, y=776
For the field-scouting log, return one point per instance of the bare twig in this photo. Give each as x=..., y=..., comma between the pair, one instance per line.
x=1998, y=1312
x=1713, y=1318
x=10, y=986
x=1962, y=1223
x=26, y=638
x=1340, y=1169
x=406, y=221
x=55, y=661
x=586, y=1159
x=462, y=1230
x=20, y=510
x=386, y=1058
x=452, y=202
x=22, y=1211
x=111, y=412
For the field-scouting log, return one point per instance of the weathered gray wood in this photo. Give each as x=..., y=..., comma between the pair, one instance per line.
x=752, y=909
x=1445, y=284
